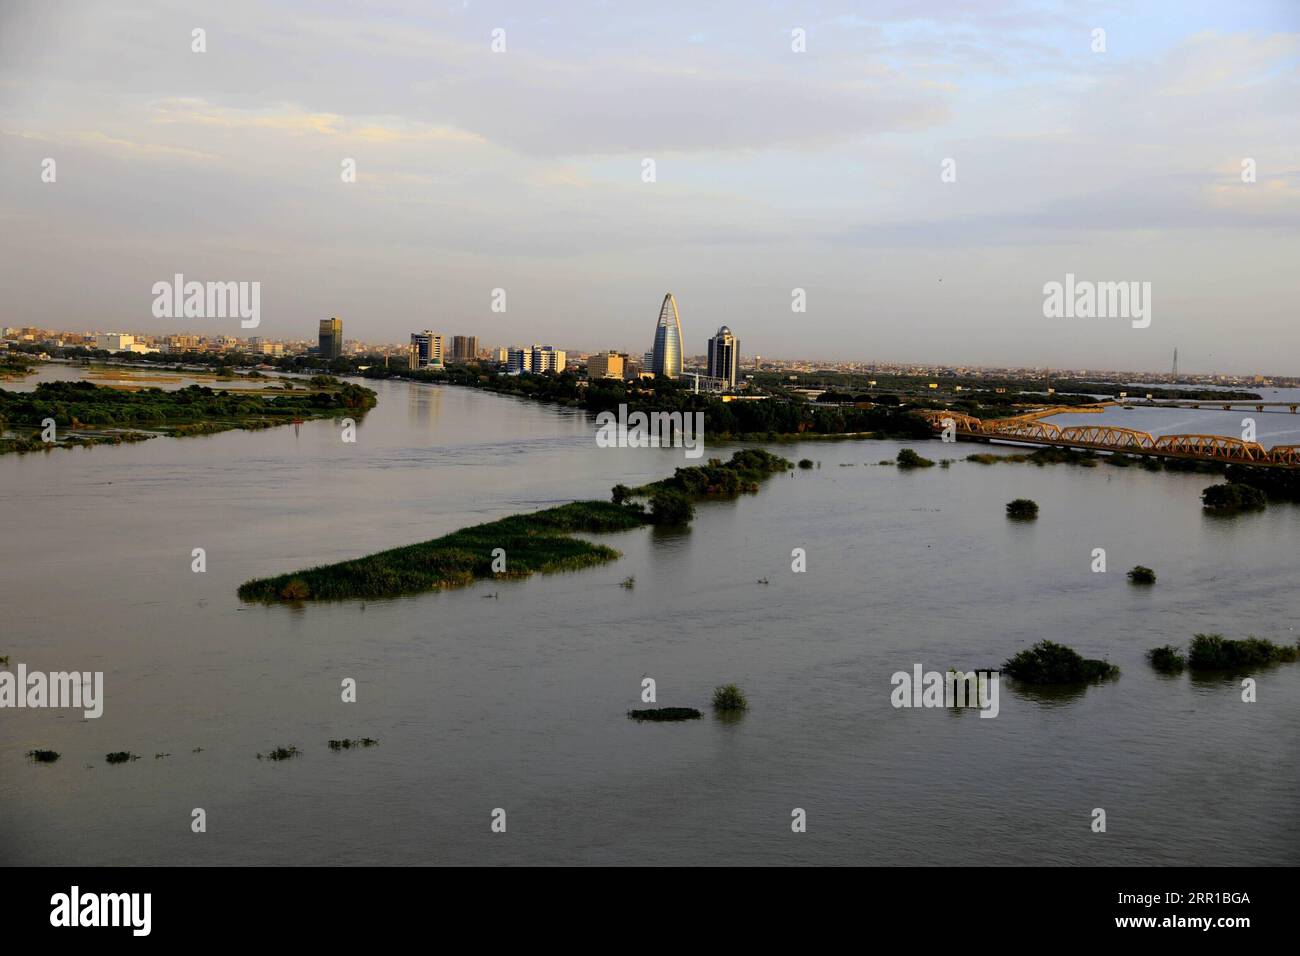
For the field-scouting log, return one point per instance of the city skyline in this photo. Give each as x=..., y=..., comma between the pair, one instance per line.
x=918, y=175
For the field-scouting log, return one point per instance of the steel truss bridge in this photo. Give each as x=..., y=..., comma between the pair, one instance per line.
x=1030, y=429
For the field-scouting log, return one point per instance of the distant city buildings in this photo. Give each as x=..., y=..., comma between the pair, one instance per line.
x=724, y=357
x=536, y=359
x=330, y=338
x=607, y=365
x=464, y=348
x=666, y=359
x=427, y=348
x=121, y=342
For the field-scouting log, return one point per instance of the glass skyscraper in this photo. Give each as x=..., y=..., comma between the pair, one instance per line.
x=724, y=356
x=668, y=340
x=330, y=340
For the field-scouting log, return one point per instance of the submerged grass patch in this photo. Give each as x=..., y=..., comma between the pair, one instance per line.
x=280, y=753
x=121, y=756
x=347, y=744
x=539, y=542
x=1050, y=663
x=43, y=756
x=665, y=713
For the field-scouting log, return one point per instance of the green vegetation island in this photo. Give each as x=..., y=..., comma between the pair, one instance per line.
x=1214, y=652
x=86, y=414
x=539, y=542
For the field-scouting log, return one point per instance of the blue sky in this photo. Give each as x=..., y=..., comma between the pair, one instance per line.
x=775, y=170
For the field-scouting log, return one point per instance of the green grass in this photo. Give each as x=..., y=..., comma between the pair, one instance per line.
x=1050, y=663
x=541, y=542
x=665, y=714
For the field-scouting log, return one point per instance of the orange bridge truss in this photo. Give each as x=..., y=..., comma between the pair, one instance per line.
x=1030, y=429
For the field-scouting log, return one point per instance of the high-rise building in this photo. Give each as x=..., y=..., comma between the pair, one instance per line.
x=427, y=348
x=330, y=341
x=606, y=365
x=667, y=358
x=724, y=357
x=536, y=358
x=464, y=348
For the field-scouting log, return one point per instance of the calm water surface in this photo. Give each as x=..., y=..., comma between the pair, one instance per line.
x=512, y=695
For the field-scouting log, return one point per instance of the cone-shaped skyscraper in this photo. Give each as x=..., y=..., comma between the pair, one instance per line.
x=668, y=340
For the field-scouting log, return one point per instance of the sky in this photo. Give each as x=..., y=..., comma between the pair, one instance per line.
x=921, y=169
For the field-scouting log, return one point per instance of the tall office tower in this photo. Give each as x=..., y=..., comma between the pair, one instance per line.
x=606, y=365
x=667, y=357
x=464, y=348
x=724, y=356
x=519, y=360
x=427, y=348
x=331, y=338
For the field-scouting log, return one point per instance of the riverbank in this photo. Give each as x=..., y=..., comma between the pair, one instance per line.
x=85, y=414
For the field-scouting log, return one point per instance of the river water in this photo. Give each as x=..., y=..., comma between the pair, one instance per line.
x=512, y=695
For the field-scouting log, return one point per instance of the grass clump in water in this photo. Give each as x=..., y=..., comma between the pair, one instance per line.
x=43, y=756
x=729, y=697
x=1022, y=509
x=280, y=753
x=1050, y=663
x=1141, y=574
x=347, y=744
x=121, y=756
x=665, y=714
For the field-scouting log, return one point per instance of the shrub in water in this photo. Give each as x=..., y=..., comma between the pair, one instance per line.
x=1216, y=652
x=1230, y=498
x=670, y=507
x=1142, y=575
x=729, y=697
x=805, y=463
x=43, y=756
x=120, y=756
x=1022, y=508
x=910, y=459
x=1168, y=659
x=1050, y=663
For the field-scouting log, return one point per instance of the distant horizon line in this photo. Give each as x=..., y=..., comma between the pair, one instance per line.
x=827, y=364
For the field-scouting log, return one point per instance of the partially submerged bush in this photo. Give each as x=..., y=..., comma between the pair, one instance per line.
x=910, y=459
x=805, y=463
x=1142, y=575
x=1167, y=659
x=729, y=697
x=121, y=756
x=665, y=713
x=1051, y=663
x=295, y=590
x=1230, y=498
x=43, y=756
x=670, y=508
x=1216, y=652
x=346, y=744
x=1022, y=509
